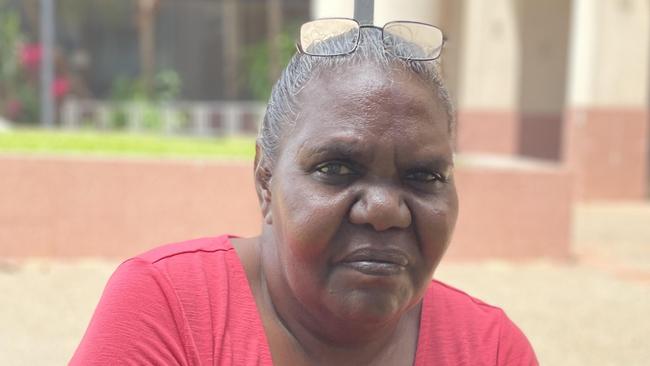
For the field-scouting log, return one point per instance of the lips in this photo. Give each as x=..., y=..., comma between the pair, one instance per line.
x=376, y=262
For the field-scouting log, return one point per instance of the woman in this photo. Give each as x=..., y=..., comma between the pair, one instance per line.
x=354, y=175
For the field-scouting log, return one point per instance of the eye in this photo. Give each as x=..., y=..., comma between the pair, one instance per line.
x=422, y=176
x=334, y=169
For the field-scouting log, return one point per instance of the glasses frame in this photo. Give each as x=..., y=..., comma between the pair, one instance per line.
x=359, y=26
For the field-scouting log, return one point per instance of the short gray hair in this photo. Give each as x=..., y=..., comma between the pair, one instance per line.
x=282, y=108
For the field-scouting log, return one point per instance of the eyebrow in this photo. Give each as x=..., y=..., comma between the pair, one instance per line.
x=352, y=149
x=433, y=163
x=341, y=148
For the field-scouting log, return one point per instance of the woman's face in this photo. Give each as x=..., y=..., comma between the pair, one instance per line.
x=362, y=201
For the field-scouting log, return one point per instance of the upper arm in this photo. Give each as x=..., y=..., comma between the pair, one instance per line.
x=137, y=321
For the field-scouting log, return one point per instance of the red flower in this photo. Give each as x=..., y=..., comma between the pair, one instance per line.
x=30, y=56
x=61, y=87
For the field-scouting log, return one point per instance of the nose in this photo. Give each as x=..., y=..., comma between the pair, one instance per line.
x=382, y=207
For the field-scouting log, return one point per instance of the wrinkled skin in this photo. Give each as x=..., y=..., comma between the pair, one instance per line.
x=358, y=206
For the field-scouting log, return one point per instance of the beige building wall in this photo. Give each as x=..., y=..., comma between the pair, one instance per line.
x=446, y=14
x=488, y=78
x=515, y=54
x=609, y=53
x=606, y=141
x=544, y=28
x=564, y=80
x=510, y=45
x=490, y=63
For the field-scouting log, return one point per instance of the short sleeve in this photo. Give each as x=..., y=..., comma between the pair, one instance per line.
x=138, y=321
x=514, y=347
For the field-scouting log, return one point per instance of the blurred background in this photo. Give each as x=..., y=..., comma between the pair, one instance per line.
x=127, y=124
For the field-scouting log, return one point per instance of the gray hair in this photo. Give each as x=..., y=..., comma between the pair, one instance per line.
x=282, y=108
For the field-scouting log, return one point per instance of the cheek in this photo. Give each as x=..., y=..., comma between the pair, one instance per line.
x=435, y=220
x=307, y=218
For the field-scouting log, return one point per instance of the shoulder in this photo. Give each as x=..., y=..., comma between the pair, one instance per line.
x=442, y=295
x=154, y=271
x=473, y=330
x=167, y=268
x=154, y=302
x=198, y=269
x=186, y=249
x=459, y=314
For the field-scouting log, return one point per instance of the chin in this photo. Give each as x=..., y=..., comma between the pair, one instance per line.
x=360, y=297
x=372, y=306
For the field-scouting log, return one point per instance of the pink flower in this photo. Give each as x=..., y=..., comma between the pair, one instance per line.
x=30, y=56
x=61, y=87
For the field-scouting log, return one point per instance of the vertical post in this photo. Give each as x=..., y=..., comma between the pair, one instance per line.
x=232, y=48
x=274, y=27
x=364, y=11
x=232, y=118
x=200, y=115
x=147, y=41
x=47, y=62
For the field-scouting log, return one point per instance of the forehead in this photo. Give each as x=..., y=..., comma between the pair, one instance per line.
x=373, y=100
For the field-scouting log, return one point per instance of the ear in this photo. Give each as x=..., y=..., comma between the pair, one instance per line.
x=263, y=175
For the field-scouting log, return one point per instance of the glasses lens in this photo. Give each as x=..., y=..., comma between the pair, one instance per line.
x=329, y=37
x=413, y=41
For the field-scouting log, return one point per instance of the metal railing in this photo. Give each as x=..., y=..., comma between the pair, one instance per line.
x=183, y=117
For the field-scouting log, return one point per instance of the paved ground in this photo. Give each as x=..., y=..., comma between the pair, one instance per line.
x=590, y=311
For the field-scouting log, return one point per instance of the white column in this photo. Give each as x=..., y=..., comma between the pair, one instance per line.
x=582, y=53
x=490, y=62
x=426, y=11
x=332, y=8
x=609, y=53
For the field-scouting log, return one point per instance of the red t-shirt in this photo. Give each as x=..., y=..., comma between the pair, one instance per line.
x=190, y=304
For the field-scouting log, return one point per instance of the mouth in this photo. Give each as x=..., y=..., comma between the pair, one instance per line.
x=376, y=262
